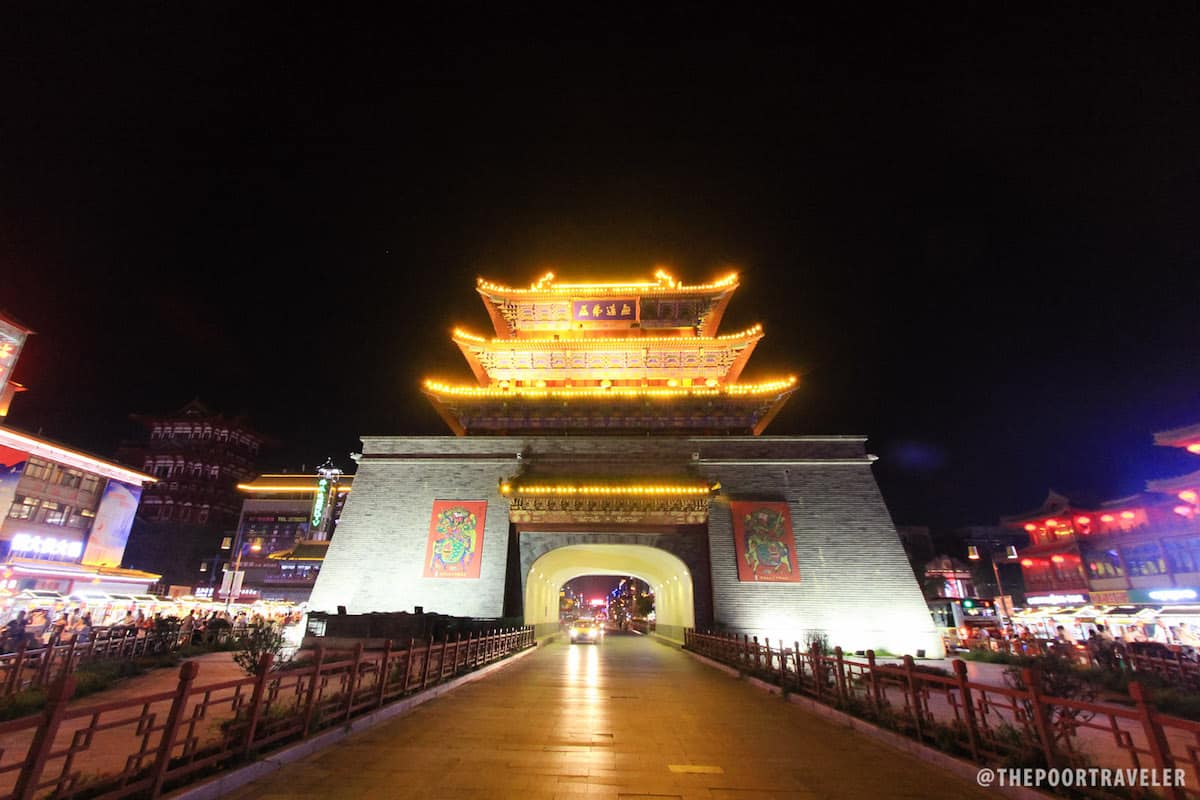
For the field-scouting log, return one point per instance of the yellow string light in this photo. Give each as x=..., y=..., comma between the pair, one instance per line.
x=624, y=343
x=734, y=390
x=664, y=284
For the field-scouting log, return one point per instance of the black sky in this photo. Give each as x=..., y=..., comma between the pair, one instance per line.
x=972, y=232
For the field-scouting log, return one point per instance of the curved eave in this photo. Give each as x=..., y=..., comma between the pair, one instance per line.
x=473, y=346
x=467, y=410
x=494, y=298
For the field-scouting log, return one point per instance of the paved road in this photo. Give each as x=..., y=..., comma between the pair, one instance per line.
x=629, y=719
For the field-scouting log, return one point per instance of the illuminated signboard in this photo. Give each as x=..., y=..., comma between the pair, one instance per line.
x=605, y=310
x=12, y=339
x=1055, y=599
x=45, y=546
x=1175, y=594
x=320, y=500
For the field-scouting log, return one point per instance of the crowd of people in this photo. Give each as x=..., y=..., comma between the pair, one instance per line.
x=1100, y=646
x=40, y=627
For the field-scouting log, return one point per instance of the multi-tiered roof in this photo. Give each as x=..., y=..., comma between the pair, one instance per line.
x=609, y=357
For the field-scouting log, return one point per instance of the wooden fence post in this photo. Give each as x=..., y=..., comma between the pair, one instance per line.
x=797, y=659
x=384, y=666
x=914, y=700
x=187, y=674
x=408, y=663
x=426, y=662
x=43, y=738
x=818, y=668
x=964, y=694
x=13, y=684
x=873, y=677
x=839, y=676
x=352, y=678
x=1041, y=721
x=69, y=667
x=1156, y=739
x=256, y=698
x=314, y=688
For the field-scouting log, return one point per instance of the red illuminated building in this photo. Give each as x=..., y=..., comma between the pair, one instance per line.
x=1142, y=549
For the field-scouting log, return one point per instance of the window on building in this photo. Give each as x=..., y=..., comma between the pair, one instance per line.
x=77, y=519
x=214, y=472
x=38, y=469
x=90, y=484
x=23, y=508
x=202, y=514
x=53, y=513
x=204, y=566
x=227, y=543
x=70, y=478
x=222, y=435
x=1144, y=559
x=1183, y=555
x=1103, y=563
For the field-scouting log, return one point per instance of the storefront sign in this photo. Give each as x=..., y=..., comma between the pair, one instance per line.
x=1175, y=594
x=45, y=546
x=762, y=536
x=1055, y=599
x=455, y=539
x=1114, y=597
x=608, y=310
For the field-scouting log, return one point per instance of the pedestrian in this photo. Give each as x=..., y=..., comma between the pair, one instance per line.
x=14, y=632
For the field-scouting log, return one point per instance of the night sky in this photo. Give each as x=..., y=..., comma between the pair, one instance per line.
x=972, y=233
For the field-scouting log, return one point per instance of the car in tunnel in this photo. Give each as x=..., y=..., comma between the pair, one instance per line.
x=586, y=630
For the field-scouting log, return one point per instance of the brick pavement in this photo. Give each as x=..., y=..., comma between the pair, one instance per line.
x=627, y=719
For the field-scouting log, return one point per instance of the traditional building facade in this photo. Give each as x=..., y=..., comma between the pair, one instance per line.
x=66, y=518
x=199, y=457
x=1140, y=550
x=609, y=432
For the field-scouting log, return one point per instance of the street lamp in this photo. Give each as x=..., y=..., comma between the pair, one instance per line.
x=233, y=581
x=1010, y=554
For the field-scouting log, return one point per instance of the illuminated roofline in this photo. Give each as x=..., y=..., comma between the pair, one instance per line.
x=507, y=488
x=733, y=390
x=72, y=458
x=460, y=335
x=664, y=283
x=249, y=487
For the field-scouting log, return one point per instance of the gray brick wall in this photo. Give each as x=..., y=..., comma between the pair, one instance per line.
x=856, y=583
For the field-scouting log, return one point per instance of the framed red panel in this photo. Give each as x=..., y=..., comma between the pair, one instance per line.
x=455, y=543
x=762, y=535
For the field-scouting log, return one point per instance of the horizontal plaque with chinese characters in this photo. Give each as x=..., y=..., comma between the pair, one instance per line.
x=605, y=310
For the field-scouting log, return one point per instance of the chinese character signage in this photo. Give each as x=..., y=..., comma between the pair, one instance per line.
x=110, y=529
x=12, y=338
x=455, y=539
x=320, y=506
x=762, y=535
x=609, y=310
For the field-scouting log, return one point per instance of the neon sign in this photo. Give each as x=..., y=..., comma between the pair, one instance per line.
x=1172, y=595
x=319, y=500
x=1055, y=599
x=45, y=546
